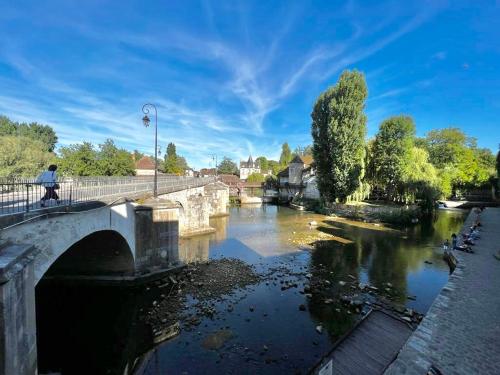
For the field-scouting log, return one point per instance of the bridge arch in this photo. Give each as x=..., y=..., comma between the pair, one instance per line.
x=102, y=253
x=53, y=236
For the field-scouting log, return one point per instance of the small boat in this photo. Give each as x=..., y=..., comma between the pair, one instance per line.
x=297, y=207
x=269, y=199
x=441, y=205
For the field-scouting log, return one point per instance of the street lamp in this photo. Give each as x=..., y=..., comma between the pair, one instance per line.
x=145, y=120
x=214, y=158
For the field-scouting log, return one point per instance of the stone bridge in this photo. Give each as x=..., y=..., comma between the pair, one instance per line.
x=124, y=240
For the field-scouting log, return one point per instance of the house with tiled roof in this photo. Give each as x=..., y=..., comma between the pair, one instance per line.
x=298, y=179
x=207, y=172
x=145, y=166
x=229, y=179
x=248, y=167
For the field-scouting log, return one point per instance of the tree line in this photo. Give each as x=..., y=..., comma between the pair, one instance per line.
x=396, y=164
x=28, y=148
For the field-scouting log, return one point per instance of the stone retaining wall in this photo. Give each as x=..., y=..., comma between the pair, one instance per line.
x=460, y=333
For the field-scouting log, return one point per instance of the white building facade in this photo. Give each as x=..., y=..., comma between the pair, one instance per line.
x=248, y=167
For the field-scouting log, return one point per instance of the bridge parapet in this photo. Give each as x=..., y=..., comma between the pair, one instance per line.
x=21, y=197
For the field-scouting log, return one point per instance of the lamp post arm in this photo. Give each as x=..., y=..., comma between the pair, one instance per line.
x=145, y=109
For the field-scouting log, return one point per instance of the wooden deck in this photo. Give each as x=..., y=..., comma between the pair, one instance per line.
x=368, y=348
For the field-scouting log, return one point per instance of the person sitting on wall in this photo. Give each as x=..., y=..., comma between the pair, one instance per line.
x=456, y=246
x=467, y=240
x=474, y=234
x=446, y=246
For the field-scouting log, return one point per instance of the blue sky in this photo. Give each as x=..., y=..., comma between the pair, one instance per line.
x=235, y=78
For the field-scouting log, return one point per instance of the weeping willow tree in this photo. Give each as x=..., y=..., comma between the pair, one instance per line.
x=398, y=167
x=392, y=150
x=420, y=180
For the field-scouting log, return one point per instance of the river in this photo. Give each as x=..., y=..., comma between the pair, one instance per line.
x=85, y=329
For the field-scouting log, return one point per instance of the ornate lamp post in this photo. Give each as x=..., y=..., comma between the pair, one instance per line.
x=145, y=120
x=214, y=158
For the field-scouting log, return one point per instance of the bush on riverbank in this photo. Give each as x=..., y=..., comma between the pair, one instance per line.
x=365, y=211
x=387, y=213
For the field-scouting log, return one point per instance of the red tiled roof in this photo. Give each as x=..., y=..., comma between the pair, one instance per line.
x=306, y=159
x=229, y=179
x=207, y=171
x=145, y=163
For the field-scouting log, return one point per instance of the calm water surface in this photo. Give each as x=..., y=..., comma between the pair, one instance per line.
x=84, y=329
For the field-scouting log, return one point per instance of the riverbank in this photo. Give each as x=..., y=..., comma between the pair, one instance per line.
x=460, y=333
x=366, y=211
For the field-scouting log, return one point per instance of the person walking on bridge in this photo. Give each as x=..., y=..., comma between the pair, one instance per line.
x=48, y=180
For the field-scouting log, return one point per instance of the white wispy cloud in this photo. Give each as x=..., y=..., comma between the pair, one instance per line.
x=225, y=105
x=388, y=94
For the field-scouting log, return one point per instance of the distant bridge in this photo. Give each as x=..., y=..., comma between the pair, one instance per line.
x=106, y=228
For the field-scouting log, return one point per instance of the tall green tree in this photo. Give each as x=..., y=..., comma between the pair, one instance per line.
x=286, y=154
x=137, y=155
x=275, y=166
x=23, y=156
x=41, y=133
x=79, y=160
x=303, y=151
x=392, y=151
x=446, y=145
x=182, y=163
x=418, y=168
x=171, y=150
x=113, y=161
x=174, y=163
x=7, y=127
x=170, y=163
x=264, y=164
x=461, y=164
x=420, y=180
x=227, y=166
x=498, y=164
x=338, y=132
x=86, y=160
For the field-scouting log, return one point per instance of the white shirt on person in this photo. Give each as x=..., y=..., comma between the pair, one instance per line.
x=47, y=179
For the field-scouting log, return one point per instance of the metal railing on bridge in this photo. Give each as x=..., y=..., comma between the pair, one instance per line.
x=25, y=194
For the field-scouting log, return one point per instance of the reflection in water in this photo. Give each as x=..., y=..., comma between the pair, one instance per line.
x=220, y=226
x=100, y=328
x=194, y=249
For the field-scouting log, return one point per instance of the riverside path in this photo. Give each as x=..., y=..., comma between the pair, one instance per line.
x=461, y=331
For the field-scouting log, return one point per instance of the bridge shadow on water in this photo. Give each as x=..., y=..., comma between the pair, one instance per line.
x=83, y=329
